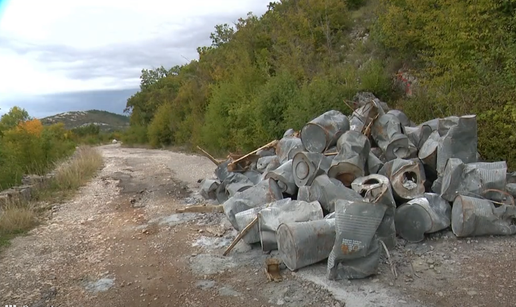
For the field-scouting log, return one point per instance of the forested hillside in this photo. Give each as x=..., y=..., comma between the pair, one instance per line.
x=270, y=73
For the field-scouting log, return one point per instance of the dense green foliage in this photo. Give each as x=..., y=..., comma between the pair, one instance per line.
x=464, y=53
x=302, y=57
x=27, y=147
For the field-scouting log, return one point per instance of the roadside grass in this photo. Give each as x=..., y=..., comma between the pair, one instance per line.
x=17, y=217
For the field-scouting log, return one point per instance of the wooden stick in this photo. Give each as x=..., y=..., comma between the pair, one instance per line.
x=241, y=235
x=352, y=109
x=271, y=144
x=367, y=129
x=209, y=156
x=331, y=153
x=393, y=268
x=202, y=209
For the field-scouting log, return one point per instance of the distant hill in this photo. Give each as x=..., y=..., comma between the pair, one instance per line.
x=107, y=121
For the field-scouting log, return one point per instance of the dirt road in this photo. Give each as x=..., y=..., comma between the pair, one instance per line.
x=119, y=242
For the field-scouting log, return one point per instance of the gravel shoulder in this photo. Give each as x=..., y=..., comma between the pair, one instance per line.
x=119, y=242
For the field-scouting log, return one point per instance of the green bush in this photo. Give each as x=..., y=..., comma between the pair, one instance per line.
x=27, y=147
x=159, y=132
x=135, y=135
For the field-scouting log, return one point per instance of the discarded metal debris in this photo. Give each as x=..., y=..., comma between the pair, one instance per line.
x=294, y=211
x=308, y=165
x=344, y=187
x=356, y=242
x=425, y=214
x=480, y=217
x=349, y=164
x=305, y=243
x=407, y=178
x=323, y=131
x=284, y=177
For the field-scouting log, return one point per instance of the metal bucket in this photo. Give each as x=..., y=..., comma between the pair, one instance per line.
x=323, y=131
x=480, y=217
x=308, y=165
x=419, y=216
x=271, y=217
x=304, y=243
x=349, y=164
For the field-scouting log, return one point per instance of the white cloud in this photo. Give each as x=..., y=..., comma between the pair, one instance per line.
x=48, y=45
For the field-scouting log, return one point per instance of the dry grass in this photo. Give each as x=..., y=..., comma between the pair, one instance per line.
x=79, y=169
x=18, y=217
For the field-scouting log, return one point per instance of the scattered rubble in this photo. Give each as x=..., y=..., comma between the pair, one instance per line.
x=344, y=187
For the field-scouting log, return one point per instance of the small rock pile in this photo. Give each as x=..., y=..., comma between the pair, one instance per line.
x=344, y=187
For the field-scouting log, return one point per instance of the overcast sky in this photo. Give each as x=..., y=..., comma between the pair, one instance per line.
x=89, y=47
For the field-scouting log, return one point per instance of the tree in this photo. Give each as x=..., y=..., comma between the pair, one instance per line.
x=12, y=118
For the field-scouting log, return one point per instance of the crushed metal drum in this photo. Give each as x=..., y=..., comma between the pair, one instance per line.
x=407, y=178
x=325, y=190
x=264, y=192
x=388, y=134
x=475, y=178
x=294, y=211
x=460, y=140
x=287, y=147
x=323, y=131
x=480, y=217
x=283, y=175
x=208, y=188
x=264, y=162
x=377, y=189
x=350, y=162
x=304, y=243
x=234, y=183
x=356, y=243
x=243, y=219
x=308, y=165
x=422, y=215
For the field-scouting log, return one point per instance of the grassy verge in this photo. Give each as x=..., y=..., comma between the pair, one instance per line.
x=18, y=217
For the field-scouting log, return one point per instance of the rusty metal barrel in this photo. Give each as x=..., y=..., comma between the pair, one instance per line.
x=425, y=214
x=308, y=165
x=323, y=131
x=480, y=217
x=350, y=163
x=305, y=243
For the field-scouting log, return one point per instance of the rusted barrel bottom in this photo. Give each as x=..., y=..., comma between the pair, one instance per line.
x=305, y=243
x=345, y=172
x=412, y=222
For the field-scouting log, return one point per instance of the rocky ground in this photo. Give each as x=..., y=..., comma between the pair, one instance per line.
x=119, y=242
